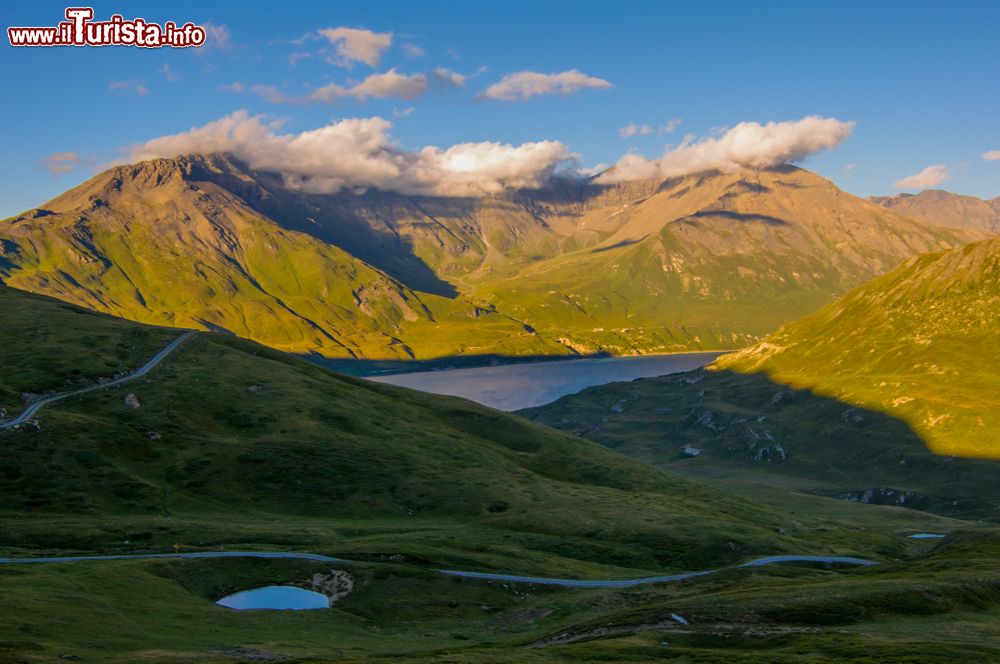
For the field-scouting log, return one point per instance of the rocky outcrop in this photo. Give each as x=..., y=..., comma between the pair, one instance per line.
x=335, y=585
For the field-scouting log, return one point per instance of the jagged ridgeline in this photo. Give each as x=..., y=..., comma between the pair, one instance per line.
x=705, y=261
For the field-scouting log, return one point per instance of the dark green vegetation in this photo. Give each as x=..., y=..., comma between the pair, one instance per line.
x=238, y=446
x=749, y=429
x=235, y=443
x=872, y=398
x=55, y=347
x=707, y=261
x=937, y=604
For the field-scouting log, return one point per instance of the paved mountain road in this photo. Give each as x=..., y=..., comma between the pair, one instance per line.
x=29, y=412
x=487, y=576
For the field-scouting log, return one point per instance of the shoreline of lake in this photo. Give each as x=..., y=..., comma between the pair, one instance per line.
x=520, y=385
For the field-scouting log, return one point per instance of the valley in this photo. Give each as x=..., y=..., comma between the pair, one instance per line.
x=886, y=395
x=234, y=446
x=529, y=333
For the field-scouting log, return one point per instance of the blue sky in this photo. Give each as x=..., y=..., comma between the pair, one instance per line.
x=919, y=80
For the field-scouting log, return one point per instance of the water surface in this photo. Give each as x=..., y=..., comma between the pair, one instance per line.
x=516, y=386
x=276, y=597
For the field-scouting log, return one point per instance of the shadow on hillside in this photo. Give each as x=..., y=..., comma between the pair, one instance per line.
x=383, y=248
x=384, y=367
x=740, y=216
x=747, y=423
x=336, y=220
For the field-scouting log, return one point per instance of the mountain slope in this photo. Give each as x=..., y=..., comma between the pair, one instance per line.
x=870, y=398
x=917, y=343
x=713, y=261
x=228, y=442
x=234, y=446
x=944, y=208
x=705, y=261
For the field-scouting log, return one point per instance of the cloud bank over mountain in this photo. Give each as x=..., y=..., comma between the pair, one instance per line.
x=360, y=153
x=748, y=144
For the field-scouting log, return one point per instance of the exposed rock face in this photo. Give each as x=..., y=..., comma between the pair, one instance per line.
x=335, y=585
x=131, y=401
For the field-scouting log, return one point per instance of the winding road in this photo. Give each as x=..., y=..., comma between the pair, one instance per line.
x=28, y=412
x=487, y=576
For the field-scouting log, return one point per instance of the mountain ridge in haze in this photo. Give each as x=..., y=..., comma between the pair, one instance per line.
x=945, y=208
x=705, y=261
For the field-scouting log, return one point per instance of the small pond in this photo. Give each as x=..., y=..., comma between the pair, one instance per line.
x=926, y=536
x=275, y=597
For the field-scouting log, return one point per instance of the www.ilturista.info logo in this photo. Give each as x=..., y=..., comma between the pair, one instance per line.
x=80, y=30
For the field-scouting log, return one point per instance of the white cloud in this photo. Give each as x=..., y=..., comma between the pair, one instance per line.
x=217, y=37
x=413, y=51
x=929, y=177
x=357, y=45
x=62, y=162
x=386, y=85
x=628, y=131
x=129, y=86
x=449, y=78
x=670, y=126
x=524, y=85
x=171, y=75
x=590, y=171
x=748, y=144
x=360, y=153
x=992, y=155
x=390, y=84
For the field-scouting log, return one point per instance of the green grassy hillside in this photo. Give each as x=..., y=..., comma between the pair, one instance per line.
x=235, y=445
x=935, y=604
x=872, y=398
x=49, y=346
x=918, y=344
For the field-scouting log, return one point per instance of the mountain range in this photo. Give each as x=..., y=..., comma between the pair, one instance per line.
x=944, y=208
x=230, y=446
x=705, y=261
